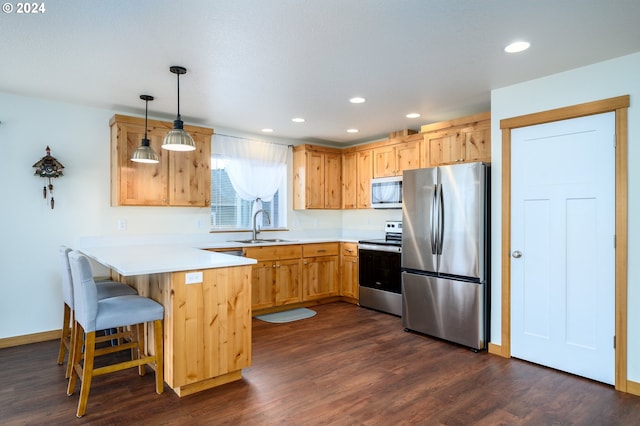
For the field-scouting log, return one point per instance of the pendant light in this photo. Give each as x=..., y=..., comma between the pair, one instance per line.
x=178, y=139
x=144, y=153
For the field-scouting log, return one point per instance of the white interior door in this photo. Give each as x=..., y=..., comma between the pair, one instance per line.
x=562, y=245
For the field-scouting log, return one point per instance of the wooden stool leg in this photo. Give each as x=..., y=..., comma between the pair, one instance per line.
x=139, y=351
x=158, y=339
x=72, y=344
x=64, y=338
x=87, y=372
x=75, y=354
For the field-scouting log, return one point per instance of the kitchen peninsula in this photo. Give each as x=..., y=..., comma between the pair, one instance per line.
x=207, y=308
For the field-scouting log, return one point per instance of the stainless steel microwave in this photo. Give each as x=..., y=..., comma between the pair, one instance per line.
x=386, y=193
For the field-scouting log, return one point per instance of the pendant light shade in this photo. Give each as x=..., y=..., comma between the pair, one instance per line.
x=144, y=153
x=178, y=139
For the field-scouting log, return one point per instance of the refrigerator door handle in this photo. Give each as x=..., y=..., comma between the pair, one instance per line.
x=434, y=220
x=440, y=219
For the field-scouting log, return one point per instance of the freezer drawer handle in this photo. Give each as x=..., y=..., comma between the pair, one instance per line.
x=516, y=254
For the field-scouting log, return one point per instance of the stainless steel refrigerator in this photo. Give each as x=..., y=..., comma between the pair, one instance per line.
x=445, y=268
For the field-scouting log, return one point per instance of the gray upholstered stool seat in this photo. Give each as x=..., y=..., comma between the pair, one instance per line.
x=119, y=311
x=105, y=289
x=92, y=315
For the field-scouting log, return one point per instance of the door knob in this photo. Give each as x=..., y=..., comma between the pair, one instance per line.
x=516, y=254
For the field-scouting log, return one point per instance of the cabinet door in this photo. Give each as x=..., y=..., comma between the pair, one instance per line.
x=190, y=174
x=314, y=186
x=384, y=161
x=332, y=181
x=478, y=145
x=262, y=285
x=407, y=156
x=349, y=180
x=321, y=275
x=288, y=281
x=137, y=184
x=349, y=277
x=349, y=270
x=446, y=149
x=364, y=168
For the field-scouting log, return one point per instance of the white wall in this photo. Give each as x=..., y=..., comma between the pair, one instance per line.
x=603, y=80
x=31, y=232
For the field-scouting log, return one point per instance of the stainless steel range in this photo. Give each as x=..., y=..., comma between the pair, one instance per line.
x=379, y=270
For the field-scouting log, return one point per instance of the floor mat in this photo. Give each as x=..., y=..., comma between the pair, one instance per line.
x=287, y=316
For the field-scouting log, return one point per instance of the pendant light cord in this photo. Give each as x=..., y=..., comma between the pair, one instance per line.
x=178, y=76
x=146, y=114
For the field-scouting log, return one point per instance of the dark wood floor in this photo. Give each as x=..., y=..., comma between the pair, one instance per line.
x=345, y=366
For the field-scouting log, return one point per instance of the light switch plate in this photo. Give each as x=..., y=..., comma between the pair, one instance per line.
x=193, y=277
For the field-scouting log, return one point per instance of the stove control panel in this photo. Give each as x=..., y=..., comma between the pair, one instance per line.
x=393, y=227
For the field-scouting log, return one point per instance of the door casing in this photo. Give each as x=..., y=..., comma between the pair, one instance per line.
x=619, y=105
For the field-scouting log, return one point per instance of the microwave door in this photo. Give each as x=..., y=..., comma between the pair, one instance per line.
x=386, y=192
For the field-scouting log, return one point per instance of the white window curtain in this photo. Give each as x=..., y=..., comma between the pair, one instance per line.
x=256, y=169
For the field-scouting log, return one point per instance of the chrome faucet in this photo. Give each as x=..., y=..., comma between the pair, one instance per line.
x=255, y=231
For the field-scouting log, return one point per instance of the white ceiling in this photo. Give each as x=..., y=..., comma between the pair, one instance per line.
x=258, y=63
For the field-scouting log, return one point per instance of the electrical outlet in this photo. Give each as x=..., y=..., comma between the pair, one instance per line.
x=193, y=277
x=122, y=224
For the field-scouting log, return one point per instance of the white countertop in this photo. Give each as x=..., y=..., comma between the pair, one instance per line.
x=158, y=253
x=153, y=259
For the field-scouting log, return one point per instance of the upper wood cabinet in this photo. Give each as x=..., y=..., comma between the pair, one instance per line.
x=364, y=172
x=179, y=179
x=317, y=181
x=463, y=140
x=356, y=178
x=349, y=180
x=392, y=160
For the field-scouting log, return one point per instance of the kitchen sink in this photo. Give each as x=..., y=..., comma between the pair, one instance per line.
x=263, y=241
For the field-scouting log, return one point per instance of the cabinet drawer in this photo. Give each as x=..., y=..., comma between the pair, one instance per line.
x=320, y=249
x=274, y=252
x=349, y=249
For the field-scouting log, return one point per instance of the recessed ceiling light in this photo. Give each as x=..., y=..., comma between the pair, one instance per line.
x=352, y=130
x=298, y=120
x=267, y=130
x=413, y=115
x=357, y=100
x=517, y=46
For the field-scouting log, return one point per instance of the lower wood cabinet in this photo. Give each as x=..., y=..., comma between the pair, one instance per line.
x=321, y=270
x=207, y=325
x=288, y=282
x=349, y=270
x=297, y=273
x=277, y=277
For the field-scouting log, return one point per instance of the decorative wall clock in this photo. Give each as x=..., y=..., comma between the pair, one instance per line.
x=48, y=167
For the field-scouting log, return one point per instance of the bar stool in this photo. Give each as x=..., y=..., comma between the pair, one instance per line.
x=105, y=289
x=92, y=315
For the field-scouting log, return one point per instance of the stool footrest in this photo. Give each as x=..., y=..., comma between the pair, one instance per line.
x=123, y=365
